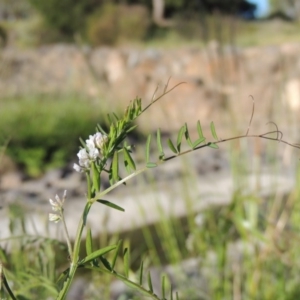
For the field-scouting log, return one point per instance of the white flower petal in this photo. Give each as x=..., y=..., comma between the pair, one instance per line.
x=100, y=140
x=54, y=218
x=77, y=168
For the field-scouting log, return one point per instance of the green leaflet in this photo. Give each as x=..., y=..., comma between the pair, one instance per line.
x=150, y=165
x=150, y=283
x=101, y=129
x=82, y=142
x=199, y=129
x=128, y=161
x=110, y=204
x=198, y=142
x=171, y=146
x=179, y=136
x=148, y=148
x=188, y=138
x=141, y=273
x=105, y=263
x=213, y=145
x=213, y=130
x=126, y=260
x=116, y=117
x=115, y=168
x=97, y=253
x=116, y=254
x=159, y=145
x=131, y=128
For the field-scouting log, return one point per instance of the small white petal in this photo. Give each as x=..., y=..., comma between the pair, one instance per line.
x=100, y=140
x=82, y=154
x=54, y=218
x=64, y=195
x=94, y=153
x=52, y=203
x=90, y=143
x=77, y=168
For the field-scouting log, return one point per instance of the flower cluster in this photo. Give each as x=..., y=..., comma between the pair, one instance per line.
x=93, y=150
x=57, y=206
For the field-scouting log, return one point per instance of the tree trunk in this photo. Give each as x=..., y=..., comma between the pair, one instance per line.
x=158, y=9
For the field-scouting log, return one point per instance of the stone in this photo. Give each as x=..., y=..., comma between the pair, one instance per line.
x=11, y=180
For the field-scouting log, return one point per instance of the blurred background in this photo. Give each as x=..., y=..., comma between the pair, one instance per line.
x=78, y=59
x=65, y=64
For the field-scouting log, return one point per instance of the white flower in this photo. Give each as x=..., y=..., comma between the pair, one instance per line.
x=93, y=153
x=77, y=168
x=90, y=142
x=84, y=160
x=94, y=145
x=58, y=203
x=96, y=141
x=99, y=140
x=54, y=218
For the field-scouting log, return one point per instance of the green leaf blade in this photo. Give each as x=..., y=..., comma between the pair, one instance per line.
x=126, y=259
x=179, y=137
x=171, y=146
x=159, y=145
x=97, y=254
x=148, y=143
x=150, y=283
x=116, y=254
x=213, y=131
x=110, y=204
x=198, y=142
x=213, y=145
x=150, y=165
x=141, y=273
x=129, y=162
x=115, y=167
x=199, y=129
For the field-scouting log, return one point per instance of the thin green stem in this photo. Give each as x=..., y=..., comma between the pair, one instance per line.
x=74, y=262
x=70, y=250
x=5, y=283
x=125, y=280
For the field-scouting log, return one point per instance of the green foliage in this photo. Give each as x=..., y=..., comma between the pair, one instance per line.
x=30, y=261
x=114, y=23
x=67, y=16
x=43, y=131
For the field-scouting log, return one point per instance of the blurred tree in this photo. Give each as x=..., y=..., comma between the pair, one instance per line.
x=11, y=10
x=287, y=9
x=158, y=12
x=65, y=16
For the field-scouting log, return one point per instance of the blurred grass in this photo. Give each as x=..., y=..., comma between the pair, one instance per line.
x=247, y=250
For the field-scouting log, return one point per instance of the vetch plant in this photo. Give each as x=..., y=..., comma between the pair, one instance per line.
x=105, y=152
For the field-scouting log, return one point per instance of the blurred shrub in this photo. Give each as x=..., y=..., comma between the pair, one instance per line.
x=3, y=36
x=31, y=32
x=65, y=16
x=113, y=23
